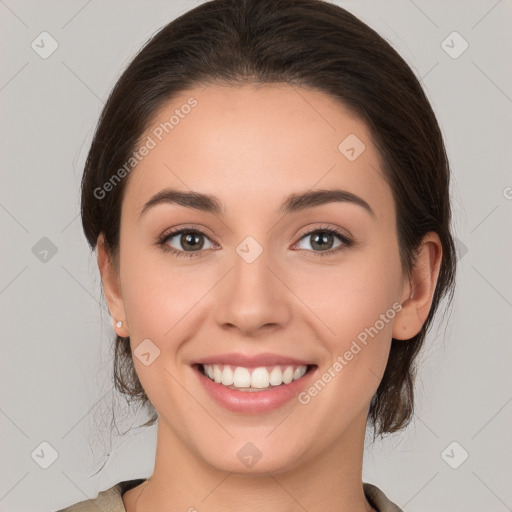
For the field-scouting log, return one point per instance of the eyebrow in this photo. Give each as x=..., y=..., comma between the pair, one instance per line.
x=293, y=203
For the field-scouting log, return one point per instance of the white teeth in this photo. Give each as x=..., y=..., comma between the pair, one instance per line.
x=253, y=379
x=276, y=376
x=227, y=376
x=241, y=378
x=288, y=375
x=260, y=378
x=298, y=373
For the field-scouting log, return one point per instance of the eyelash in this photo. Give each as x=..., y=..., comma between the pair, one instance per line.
x=347, y=242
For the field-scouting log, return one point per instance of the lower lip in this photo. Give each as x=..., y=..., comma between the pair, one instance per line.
x=254, y=402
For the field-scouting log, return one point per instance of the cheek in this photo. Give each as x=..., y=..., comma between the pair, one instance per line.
x=351, y=296
x=357, y=302
x=162, y=301
x=160, y=292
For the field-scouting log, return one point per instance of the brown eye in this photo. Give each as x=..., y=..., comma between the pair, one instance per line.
x=322, y=240
x=191, y=241
x=184, y=241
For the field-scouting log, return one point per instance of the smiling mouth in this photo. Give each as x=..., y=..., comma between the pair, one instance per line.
x=263, y=378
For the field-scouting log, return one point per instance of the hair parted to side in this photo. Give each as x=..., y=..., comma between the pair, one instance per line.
x=311, y=44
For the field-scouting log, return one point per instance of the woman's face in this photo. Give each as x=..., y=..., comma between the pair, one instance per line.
x=260, y=283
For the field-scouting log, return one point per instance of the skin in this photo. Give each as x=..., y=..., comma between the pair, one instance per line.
x=251, y=146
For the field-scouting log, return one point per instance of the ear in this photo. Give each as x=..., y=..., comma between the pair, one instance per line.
x=418, y=294
x=111, y=286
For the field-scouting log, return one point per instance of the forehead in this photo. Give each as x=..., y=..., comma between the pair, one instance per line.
x=253, y=144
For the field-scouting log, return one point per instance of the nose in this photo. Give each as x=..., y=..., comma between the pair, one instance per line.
x=253, y=298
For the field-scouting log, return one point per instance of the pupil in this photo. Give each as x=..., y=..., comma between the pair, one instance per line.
x=322, y=238
x=190, y=237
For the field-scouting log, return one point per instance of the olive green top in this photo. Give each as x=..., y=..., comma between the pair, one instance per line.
x=111, y=499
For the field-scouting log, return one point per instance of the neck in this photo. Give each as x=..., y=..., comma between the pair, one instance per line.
x=329, y=480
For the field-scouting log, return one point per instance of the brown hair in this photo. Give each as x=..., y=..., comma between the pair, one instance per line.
x=311, y=44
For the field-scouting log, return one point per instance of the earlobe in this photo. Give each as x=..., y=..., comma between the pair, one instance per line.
x=421, y=288
x=111, y=287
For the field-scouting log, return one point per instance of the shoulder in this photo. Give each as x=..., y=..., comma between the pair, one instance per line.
x=109, y=500
x=378, y=500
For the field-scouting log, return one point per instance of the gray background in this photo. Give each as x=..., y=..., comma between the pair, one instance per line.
x=55, y=357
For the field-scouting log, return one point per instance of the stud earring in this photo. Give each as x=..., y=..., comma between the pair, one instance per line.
x=119, y=324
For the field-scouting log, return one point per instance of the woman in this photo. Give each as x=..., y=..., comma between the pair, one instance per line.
x=268, y=194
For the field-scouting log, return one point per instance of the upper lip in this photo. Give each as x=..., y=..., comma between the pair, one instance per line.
x=252, y=361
